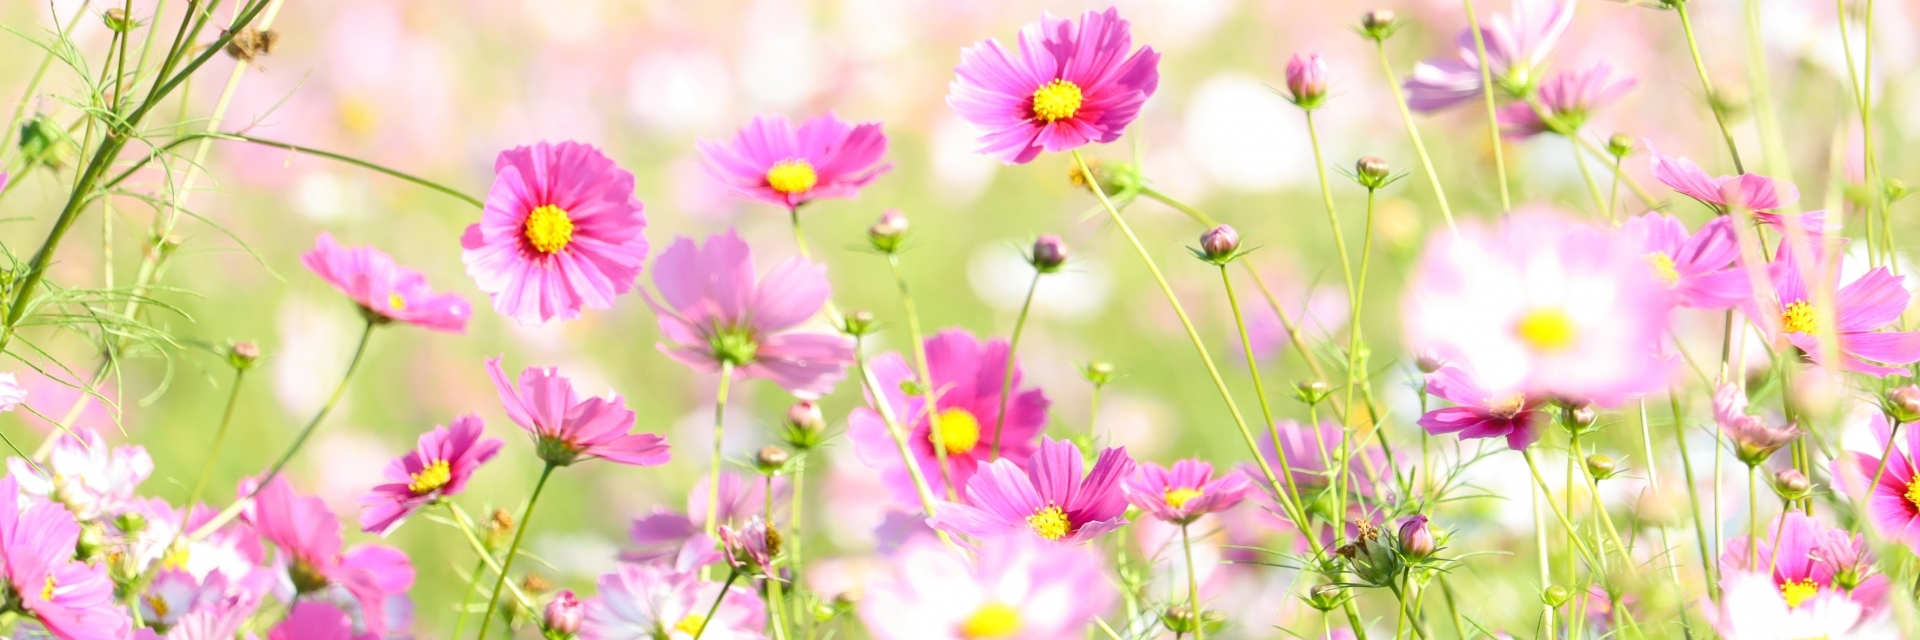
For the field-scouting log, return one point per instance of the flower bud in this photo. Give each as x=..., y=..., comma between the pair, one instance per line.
x=1428, y=363
x=563, y=617
x=1219, y=244
x=1371, y=172
x=242, y=355
x=1179, y=619
x=1556, y=595
x=93, y=541
x=1601, y=466
x=887, y=234
x=804, y=425
x=1378, y=24
x=1903, y=404
x=771, y=459
x=1113, y=178
x=499, y=530
x=1048, y=254
x=1416, y=539
x=1098, y=372
x=1326, y=597
x=1307, y=80
x=1790, y=484
x=858, y=323
x=1313, y=391
x=1582, y=418
x=117, y=20
x=1620, y=145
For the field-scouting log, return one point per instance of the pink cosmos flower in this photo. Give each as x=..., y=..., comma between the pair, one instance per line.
x=713, y=312
x=1542, y=306
x=385, y=291
x=308, y=537
x=1697, y=269
x=1069, y=84
x=1050, y=498
x=1892, y=504
x=189, y=609
x=1019, y=588
x=967, y=378
x=11, y=393
x=1479, y=413
x=643, y=602
x=772, y=162
x=75, y=600
x=446, y=458
x=311, y=620
x=561, y=230
x=751, y=547
x=1756, y=192
x=1516, y=46
x=84, y=474
x=567, y=429
x=1861, y=308
x=665, y=535
x=1570, y=98
x=1751, y=607
x=1753, y=440
x=1184, y=493
x=1803, y=561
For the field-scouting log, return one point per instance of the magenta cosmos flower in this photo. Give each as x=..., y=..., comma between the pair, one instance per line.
x=385, y=291
x=1809, y=558
x=1479, y=413
x=714, y=313
x=644, y=602
x=1753, y=191
x=1892, y=504
x=1185, y=492
x=967, y=378
x=1569, y=99
x=73, y=599
x=439, y=467
x=1698, y=269
x=1869, y=303
x=1068, y=84
x=568, y=429
x=1516, y=46
x=1018, y=588
x=309, y=620
x=309, y=539
x=770, y=161
x=1753, y=441
x=1049, y=499
x=1543, y=306
x=561, y=230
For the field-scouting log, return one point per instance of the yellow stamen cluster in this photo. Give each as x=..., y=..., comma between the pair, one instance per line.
x=959, y=431
x=1549, y=329
x=397, y=301
x=47, y=592
x=1913, y=494
x=1050, y=523
x=433, y=477
x=1507, y=407
x=1797, y=318
x=1178, y=498
x=990, y=621
x=159, y=606
x=691, y=624
x=1663, y=267
x=1798, y=591
x=1056, y=101
x=549, y=229
x=792, y=176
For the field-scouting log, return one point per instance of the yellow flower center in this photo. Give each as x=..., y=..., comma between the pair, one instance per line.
x=1050, y=523
x=1507, y=407
x=1177, y=498
x=176, y=557
x=1056, y=101
x=1913, y=494
x=959, y=430
x=1663, y=267
x=1797, y=592
x=991, y=620
x=159, y=606
x=691, y=624
x=397, y=301
x=47, y=592
x=1797, y=318
x=792, y=176
x=549, y=229
x=433, y=477
x=1547, y=330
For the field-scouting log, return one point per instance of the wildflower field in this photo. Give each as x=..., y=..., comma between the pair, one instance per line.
x=958, y=320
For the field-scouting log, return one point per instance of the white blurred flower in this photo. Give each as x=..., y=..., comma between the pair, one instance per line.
x=1000, y=276
x=1246, y=136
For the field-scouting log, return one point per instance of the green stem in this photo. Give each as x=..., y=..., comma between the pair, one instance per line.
x=1706, y=83
x=1333, y=216
x=1578, y=544
x=1606, y=518
x=465, y=524
x=929, y=395
x=1357, y=376
x=1586, y=175
x=1413, y=132
x=885, y=409
x=319, y=153
x=513, y=550
x=219, y=437
x=1753, y=518
x=799, y=237
x=1291, y=499
x=466, y=599
x=719, y=431
x=1193, y=587
x=776, y=605
x=715, y=607
x=1493, y=115
x=1013, y=347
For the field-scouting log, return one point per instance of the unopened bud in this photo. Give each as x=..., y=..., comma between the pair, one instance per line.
x=771, y=459
x=1219, y=244
x=1583, y=417
x=563, y=617
x=1428, y=363
x=1903, y=404
x=1371, y=172
x=1416, y=538
x=887, y=234
x=1179, y=619
x=93, y=541
x=499, y=530
x=1600, y=465
x=1620, y=145
x=1312, y=391
x=1307, y=80
x=805, y=415
x=1556, y=595
x=1098, y=372
x=1326, y=597
x=1791, y=484
x=117, y=20
x=243, y=354
x=1048, y=254
x=1378, y=24
x=858, y=323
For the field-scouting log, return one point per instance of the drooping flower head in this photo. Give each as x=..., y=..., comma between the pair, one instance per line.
x=1516, y=47
x=1892, y=502
x=1479, y=413
x=93, y=480
x=1753, y=441
x=1185, y=492
x=1050, y=499
x=308, y=537
x=647, y=602
x=1541, y=306
x=1861, y=308
x=568, y=429
x=1569, y=99
x=1698, y=269
x=385, y=291
x=73, y=599
x=1808, y=559
x=967, y=377
x=1019, y=588
x=1068, y=84
x=714, y=313
x=439, y=467
x=1751, y=191
x=771, y=161
x=562, y=230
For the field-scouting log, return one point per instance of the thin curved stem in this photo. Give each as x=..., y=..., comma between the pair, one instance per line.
x=719, y=432
x=1578, y=544
x=1333, y=216
x=930, y=403
x=799, y=237
x=1193, y=587
x=1493, y=115
x=1753, y=518
x=465, y=524
x=1413, y=133
x=885, y=409
x=715, y=607
x=1706, y=82
x=513, y=550
x=1013, y=348
x=219, y=438
x=1292, y=496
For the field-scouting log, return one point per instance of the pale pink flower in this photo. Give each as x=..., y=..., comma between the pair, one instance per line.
x=75, y=600
x=1700, y=269
x=568, y=429
x=1184, y=493
x=771, y=161
x=93, y=480
x=1017, y=588
x=1861, y=309
x=1516, y=46
x=386, y=291
x=1892, y=504
x=648, y=602
x=1569, y=99
x=1067, y=85
x=310, y=620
